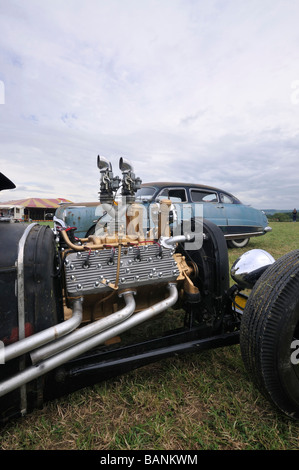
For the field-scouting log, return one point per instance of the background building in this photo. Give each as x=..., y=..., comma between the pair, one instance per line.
x=31, y=208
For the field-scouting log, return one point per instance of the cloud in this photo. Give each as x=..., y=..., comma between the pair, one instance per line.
x=186, y=89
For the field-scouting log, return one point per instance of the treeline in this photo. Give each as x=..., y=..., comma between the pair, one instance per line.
x=281, y=217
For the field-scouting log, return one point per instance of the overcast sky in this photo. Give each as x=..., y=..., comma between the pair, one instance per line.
x=202, y=91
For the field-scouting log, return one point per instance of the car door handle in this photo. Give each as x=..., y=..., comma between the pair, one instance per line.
x=220, y=207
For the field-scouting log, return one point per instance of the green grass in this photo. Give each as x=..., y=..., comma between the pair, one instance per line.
x=283, y=238
x=191, y=402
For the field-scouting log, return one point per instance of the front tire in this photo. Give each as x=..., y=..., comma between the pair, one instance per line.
x=269, y=330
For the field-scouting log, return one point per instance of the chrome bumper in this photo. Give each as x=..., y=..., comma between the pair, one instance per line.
x=240, y=236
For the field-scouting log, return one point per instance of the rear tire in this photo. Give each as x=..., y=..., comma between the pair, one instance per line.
x=269, y=326
x=238, y=243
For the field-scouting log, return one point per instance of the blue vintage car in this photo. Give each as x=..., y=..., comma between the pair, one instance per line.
x=238, y=222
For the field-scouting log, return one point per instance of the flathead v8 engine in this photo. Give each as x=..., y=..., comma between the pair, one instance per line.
x=109, y=269
x=123, y=255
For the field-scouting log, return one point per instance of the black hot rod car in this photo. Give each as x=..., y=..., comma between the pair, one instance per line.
x=76, y=311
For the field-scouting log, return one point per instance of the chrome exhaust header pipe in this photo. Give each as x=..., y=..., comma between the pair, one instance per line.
x=45, y=336
x=34, y=372
x=51, y=363
x=86, y=331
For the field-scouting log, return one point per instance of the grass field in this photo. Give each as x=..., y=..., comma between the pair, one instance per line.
x=193, y=402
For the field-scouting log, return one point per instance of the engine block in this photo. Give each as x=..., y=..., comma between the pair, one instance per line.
x=99, y=271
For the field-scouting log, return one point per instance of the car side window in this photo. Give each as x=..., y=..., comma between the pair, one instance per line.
x=203, y=196
x=226, y=199
x=174, y=194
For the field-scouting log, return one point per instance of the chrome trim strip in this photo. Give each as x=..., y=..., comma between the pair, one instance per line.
x=243, y=235
x=20, y=281
x=21, y=308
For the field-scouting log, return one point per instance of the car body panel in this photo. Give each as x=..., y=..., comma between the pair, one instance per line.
x=235, y=219
x=220, y=207
x=83, y=216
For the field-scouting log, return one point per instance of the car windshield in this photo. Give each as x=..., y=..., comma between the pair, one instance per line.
x=147, y=192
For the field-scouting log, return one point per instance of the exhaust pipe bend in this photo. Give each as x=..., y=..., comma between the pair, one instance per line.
x=45, y=336
x=86, y=331
x=46, y=366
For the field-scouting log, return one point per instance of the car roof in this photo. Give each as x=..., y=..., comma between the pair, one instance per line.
x=162, y=184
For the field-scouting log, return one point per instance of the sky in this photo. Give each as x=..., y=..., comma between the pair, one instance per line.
x=196, y=91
